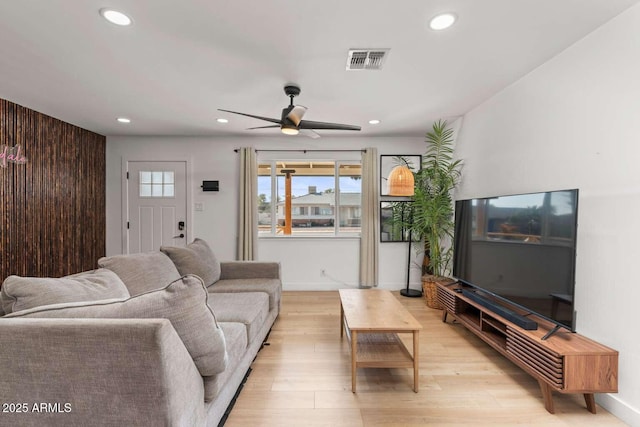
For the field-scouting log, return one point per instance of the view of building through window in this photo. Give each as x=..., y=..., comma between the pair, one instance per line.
x=324, y=197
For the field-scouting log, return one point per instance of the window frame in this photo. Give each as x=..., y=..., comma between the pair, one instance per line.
x=337, y=233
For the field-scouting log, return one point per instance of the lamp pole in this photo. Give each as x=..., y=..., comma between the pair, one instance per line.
x=401, y=183
x=408, y=292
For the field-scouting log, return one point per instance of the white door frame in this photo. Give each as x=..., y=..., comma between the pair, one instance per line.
x=125, y=196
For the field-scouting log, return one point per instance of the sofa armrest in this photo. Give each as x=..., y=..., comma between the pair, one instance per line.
x=249, y=270
x=133, y=372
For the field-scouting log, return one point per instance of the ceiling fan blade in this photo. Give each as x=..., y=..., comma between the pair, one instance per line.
x=264, y=127
x=296, y=113
x=308, y=124
x=310, y=133
x=268, y=119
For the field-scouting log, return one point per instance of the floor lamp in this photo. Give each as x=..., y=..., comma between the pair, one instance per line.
x=401, y=183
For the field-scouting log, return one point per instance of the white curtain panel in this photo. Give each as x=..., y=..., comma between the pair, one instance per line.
x=370, y=221
x=248, y=210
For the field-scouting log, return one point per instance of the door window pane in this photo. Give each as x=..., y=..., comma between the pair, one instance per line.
x=145, y=190
x=145, y=178
x=156, y=190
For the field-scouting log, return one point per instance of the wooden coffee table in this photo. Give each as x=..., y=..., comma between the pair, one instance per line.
x=373, y=318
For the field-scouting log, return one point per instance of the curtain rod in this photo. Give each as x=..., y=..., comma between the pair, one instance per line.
x=363, y=150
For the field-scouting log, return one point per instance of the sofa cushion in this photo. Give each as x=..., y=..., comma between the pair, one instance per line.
x=183, y=302
x=235, y=336
x=249, y=308
x=196, y=258
x=142, y=272
x=20, y=293
x=273, y=287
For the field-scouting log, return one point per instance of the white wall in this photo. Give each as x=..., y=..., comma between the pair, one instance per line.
x=575, y=123
x=214, y=159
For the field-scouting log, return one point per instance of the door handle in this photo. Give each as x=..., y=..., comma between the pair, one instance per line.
x=180, y=236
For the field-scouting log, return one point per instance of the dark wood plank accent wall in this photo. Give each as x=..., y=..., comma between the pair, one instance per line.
x=52, y=208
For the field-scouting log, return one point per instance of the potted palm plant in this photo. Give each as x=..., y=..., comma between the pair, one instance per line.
x=433, y=210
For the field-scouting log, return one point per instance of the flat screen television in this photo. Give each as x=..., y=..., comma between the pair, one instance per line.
x=520, y=249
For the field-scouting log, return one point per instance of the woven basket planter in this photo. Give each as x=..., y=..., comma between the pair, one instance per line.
x=430, y=290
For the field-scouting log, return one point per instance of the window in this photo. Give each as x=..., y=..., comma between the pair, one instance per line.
x=157, y=184
x=325, y=197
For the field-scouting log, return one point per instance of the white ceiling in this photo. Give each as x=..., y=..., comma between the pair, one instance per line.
x=182, y=60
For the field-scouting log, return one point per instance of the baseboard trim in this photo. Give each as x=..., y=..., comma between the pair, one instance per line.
x=619, y=408
x=326, y=286
x=317, y=286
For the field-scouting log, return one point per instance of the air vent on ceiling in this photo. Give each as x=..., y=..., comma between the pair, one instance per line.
x=366, y=59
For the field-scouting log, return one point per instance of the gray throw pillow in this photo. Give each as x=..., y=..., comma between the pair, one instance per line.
x=21, y=293
x=183, y=302
x=142, y=272
x=196, y=258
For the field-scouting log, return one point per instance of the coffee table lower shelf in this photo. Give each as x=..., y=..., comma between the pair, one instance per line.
x=379, y=350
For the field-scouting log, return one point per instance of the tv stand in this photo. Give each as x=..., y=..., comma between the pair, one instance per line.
x=559, y=359
x=519, y=319
x=551, y=332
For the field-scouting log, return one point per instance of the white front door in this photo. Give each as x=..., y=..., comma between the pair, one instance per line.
x=156, y=205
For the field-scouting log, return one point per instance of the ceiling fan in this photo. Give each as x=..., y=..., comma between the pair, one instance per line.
x=291, y=121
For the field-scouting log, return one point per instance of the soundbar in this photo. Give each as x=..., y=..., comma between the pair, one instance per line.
x=511, y=316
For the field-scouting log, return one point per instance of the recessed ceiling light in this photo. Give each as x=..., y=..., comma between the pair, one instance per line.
x=442, y=21
x=374, y=122
x=115, y=17
x=123, y=120
x=222, y=120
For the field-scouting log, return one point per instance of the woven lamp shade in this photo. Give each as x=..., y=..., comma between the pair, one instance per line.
x=400, y=181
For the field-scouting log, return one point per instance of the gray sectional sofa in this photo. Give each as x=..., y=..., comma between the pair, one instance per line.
x=162, y=338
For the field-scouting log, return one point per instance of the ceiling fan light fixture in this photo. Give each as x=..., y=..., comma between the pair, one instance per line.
x=289, y=130
x=374, y=122
x=221, y=120
x=442, y=21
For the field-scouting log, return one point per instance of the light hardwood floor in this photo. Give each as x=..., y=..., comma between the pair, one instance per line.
x=303, y=378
